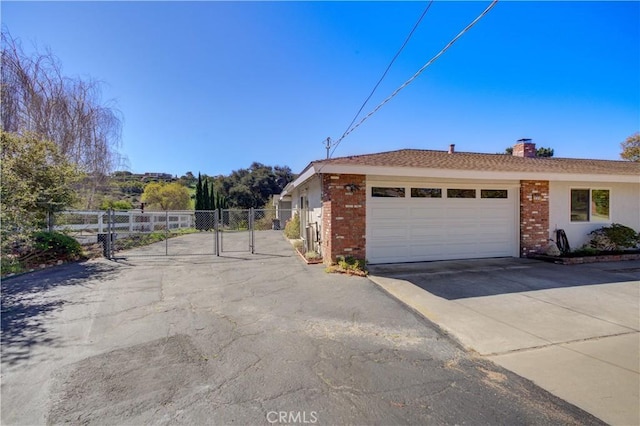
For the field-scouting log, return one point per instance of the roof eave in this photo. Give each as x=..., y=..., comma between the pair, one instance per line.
x=467, y=174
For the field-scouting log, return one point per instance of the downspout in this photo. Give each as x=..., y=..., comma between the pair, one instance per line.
x=321, y=228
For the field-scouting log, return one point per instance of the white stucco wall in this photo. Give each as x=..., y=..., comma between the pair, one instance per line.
x=312, y=189
x=624, y=208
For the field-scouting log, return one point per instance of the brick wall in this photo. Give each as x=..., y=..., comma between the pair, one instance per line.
x=524, y=149
x=343, y=216
x=534, y=216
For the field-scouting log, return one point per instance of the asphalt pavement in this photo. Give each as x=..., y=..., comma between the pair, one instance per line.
x=241, y=339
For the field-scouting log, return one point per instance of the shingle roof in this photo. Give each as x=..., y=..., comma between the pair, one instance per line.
x=418, y=158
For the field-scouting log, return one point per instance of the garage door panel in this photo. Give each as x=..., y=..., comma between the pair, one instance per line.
x=430, y=246
x=501, y=230
x=460, y=228
x=389, y=253
x=495, y=216
x=425, y=213
x=495, y=246
x=389, y=232
x=458, y=212
x=427, y=231
x=453, y=239
x=461, y=249
x=386, y=213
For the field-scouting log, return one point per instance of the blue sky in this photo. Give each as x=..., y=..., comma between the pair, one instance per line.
x=213, y=86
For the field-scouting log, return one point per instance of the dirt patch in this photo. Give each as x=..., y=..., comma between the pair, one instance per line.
x=494, y=376
x=126, y=384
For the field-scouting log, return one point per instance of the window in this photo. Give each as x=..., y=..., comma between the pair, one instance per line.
x=589, y=205
x=461, y=193
x=600, y=204
x=493, y=193
x=426, y=193
x=378, y=191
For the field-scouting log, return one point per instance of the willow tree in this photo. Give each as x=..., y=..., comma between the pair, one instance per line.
x=38, y=98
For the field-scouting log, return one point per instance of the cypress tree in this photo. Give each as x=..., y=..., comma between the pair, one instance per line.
x=206, y=197
x=199, y=193
x=198, y=206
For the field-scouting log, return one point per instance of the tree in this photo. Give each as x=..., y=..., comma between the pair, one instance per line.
x=108, y=203
x=631, y=148
x=220, y=202
x=540, y=152
x=38, y=98
x=37, y=181
x=206, y=196
x=188, y=179
x=544, y=152
x=242, y=188
x=199, y=199
x=166, y=196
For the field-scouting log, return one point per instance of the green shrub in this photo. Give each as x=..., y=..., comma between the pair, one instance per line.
x=292, y=228
x=614, y=237
x=10, y=266
x=349, y=265
x=298, y=245
x=56, y=245
x=585, y=250
x=312, y=255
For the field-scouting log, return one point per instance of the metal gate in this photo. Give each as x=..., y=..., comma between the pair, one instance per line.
x=235, y=231
x=166, y=233
x=238, y=228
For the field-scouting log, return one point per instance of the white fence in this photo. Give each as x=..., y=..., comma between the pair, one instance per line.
x=96, y=221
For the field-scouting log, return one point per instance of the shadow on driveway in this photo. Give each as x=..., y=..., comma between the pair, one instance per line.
x=28, y=299
x=462, y=279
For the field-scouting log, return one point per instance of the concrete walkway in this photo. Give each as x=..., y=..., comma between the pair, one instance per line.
x=573, y=330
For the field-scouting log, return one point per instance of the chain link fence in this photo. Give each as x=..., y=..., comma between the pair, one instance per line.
x=154, y=233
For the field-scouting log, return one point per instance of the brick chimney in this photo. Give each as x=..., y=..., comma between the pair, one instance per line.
x=524, y=148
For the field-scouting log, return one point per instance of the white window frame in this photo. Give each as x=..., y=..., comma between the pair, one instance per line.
x=591, y=217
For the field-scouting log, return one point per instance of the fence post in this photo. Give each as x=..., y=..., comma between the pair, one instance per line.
x=109, y=233
x=100, y=222
x=221, y=231
x=49, y=221
x=251, y=222
x=166, y=233
x=216, y=218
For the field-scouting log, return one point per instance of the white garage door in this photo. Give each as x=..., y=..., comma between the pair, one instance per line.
x=436, y=222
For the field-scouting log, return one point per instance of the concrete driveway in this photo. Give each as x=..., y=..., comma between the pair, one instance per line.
x=573, y=330
x=240, y=339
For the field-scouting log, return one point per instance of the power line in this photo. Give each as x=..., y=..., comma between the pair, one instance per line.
x=384, y=74
x=417, y=74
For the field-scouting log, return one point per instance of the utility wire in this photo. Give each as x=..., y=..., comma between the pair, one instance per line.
x=424, y=67
x=388, y=67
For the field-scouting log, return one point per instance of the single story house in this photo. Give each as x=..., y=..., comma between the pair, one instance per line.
x=419, y=205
